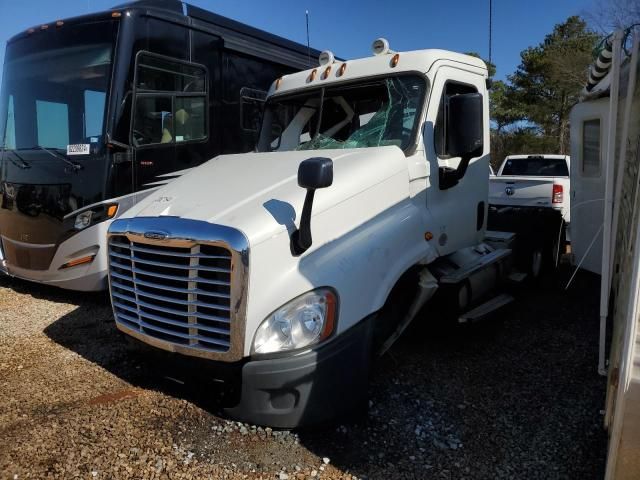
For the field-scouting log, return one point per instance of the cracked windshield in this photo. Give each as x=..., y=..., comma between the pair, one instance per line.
x=374, y=113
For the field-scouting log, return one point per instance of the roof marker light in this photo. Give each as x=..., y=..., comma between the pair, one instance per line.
x=31, y=30
x=312, y=75
x=394, y=60
x=116, y=14
x=278, y=82
x=343, y=67
x=380, y=46
x=59, y=23
x=326, y=73
x=326, y=58
x=44, y=27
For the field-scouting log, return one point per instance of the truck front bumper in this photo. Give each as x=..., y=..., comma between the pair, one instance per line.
x=284, y=390
x=308, y=388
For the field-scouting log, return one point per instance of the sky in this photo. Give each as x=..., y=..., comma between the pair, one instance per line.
x=348, y=27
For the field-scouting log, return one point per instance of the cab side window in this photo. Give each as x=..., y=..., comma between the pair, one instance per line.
x=171, y=101
x=440, y=129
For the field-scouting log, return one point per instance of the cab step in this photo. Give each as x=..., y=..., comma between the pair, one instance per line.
x=485, y=309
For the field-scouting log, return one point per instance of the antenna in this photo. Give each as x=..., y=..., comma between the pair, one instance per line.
x=490, y=26
x=308, y=44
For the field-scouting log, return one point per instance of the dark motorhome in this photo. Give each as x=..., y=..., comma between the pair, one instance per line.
x=96, y=111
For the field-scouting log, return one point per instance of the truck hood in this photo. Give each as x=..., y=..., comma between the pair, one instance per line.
x=258, y=193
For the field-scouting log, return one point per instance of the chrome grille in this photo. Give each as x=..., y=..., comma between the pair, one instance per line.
x=176, y=294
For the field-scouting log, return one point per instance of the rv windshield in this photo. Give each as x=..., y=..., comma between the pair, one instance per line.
x=55, y=88
x=368, y=113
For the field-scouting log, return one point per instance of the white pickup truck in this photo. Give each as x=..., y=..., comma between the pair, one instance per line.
x=279, y=269
x=533, y=181
x=530, y=195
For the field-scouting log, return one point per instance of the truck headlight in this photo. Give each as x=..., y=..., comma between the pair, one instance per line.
x=304, y=321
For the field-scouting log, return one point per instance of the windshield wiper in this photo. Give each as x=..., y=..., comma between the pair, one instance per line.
x=22, y=164
x=75, y=166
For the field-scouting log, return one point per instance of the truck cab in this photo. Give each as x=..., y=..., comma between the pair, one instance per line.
x=279, y=263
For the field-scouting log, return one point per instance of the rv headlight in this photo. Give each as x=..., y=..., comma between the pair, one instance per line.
x=304, y=321
x=83, y=220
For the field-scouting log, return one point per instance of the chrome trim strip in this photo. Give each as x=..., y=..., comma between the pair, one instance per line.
x=170, y=289
x=185, y=233
x=170, y=265
x=140, y=271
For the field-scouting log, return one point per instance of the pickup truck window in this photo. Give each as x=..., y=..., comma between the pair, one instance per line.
x=536, y=167
x=363, y=114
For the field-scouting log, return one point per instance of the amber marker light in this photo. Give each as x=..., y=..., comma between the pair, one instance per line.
x=330, y=319
x=394, y=60
x=278, y=82
x=44, y=27
x=428, y=236
x=78, y=261
x=59, y=23
x=116, y=14
x=112, y=210
x=341, y=70
x=312, y=75
x=326, y=72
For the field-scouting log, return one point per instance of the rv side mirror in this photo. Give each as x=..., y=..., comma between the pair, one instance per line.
x=313, y=173
x=464, y=135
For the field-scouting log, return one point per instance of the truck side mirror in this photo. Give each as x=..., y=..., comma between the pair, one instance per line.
x=464, y=135
x=313, y=173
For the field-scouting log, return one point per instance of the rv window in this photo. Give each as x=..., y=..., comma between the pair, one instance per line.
x=52, y=120
x=167, y=75
x=94, y=113
x=10, y=127
x=171, y=101
x=591, y=148
x=153, y=121
x=190, y=119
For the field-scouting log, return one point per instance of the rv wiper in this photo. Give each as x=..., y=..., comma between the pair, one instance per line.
x=75, y=166
x=22, y=164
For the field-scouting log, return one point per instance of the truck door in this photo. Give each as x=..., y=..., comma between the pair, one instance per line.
x=459, y=212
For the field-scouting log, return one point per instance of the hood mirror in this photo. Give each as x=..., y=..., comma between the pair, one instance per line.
x=313, y=173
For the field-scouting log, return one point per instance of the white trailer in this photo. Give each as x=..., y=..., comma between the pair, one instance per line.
x=606, y=236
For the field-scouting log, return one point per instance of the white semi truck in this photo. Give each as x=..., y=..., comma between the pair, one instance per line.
x=282, y=266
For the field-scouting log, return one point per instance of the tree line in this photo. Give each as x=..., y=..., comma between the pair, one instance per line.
x=530, y=110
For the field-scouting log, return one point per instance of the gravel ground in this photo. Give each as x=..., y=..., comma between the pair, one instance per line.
x=517, y=397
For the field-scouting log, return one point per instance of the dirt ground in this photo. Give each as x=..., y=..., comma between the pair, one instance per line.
x=514, y=398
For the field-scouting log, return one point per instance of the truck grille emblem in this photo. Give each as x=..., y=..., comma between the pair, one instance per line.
x=156, y=235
